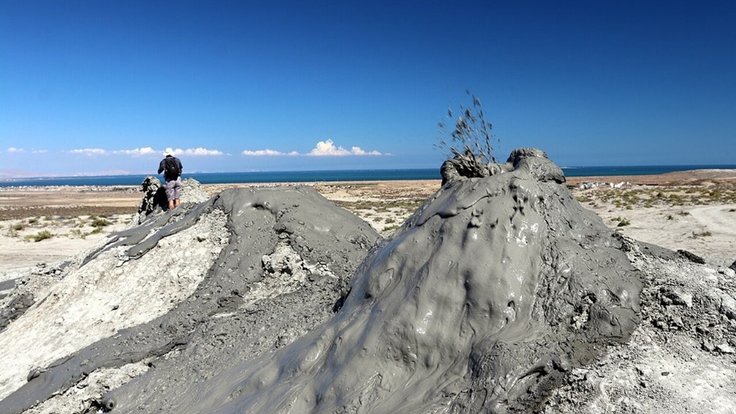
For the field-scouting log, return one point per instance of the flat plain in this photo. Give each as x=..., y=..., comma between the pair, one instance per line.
x=694, y=211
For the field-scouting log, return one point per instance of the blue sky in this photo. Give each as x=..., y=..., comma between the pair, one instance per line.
x=103, y=87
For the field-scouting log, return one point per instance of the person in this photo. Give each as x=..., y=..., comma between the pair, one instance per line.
x=172, y=168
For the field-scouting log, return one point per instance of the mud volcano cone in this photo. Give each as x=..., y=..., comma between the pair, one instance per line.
x=485, y=298
x=173, y=302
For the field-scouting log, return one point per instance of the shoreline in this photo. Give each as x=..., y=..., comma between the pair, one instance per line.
x=338, y=176
x=670, y=178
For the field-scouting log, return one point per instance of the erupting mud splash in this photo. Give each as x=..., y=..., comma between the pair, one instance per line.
x=488, y=295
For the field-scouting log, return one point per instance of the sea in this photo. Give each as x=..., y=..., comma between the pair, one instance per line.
x=330, y=176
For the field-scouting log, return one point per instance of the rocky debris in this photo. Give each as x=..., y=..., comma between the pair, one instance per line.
x=284, y=260
x=733, y=266
x=703, y=308
x=86, y=396
x=672, y=296
x=239, y=307
x=727, y=271
x=154, y=199
x=691, y=256
x=192, y=192
x=25, y=288
x=679, y=360
x=725, y=348
x=728, y=305
x=486, y=298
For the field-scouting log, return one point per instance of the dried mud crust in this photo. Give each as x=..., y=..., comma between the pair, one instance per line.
x=682, y=357
x=27, y=288
x=86, y=396
x=94, y=301
x=287, y=261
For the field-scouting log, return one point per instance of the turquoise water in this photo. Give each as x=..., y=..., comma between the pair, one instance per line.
x=341, y=175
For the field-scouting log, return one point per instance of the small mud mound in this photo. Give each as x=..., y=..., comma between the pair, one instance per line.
x=483, y=302
x=182, y=297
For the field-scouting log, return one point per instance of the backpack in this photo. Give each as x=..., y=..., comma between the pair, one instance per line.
x=171, y=167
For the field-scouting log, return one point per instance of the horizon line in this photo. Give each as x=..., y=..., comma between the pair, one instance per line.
x=131, y=174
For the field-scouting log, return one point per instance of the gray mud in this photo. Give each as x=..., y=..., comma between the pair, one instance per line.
x=487, y=297
x=485, y=300
x=288, y=262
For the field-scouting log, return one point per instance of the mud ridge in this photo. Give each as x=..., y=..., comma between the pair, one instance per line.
x=224, y=320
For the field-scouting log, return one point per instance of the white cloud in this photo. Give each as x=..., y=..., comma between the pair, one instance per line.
x=16, y=150
x=268, y=153
x=361, y=151
x=195, y=152
x=328, y=148
x=138, y=152
x=91, y=152
x=263, y=153
x=149, y=151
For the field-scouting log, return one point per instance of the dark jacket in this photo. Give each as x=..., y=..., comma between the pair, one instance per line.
x=171, y=160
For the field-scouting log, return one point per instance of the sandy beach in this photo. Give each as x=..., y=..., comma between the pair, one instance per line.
x=694, y=211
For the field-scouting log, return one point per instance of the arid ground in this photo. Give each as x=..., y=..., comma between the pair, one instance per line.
x=694, y=211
